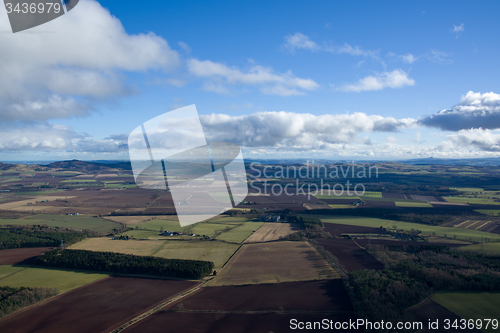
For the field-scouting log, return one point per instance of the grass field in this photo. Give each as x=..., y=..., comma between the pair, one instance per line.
x=137, y=247
x=471, y=305
x=328, y=196
x=240, y=233
x=372, y=194
x=461, y=234
x=487, y=248
x=165, y=224
x=65, y=221
x=491, y=212
x=341, y=206
x=62, y=279
x=120, y=186
x=217, y=252
x=412, y=204
x=483, y=201
x=77, y=180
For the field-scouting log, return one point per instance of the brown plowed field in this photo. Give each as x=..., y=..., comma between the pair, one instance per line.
x=430, y=310
x=340, y=229
x=98, y=307
x=23, y=255
x=365, y=242
x=274, y=262
x=349, y=254
x=179, y=321
x=324, y=295
x=273, y=231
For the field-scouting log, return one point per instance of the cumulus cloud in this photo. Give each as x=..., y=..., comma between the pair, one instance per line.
x=296, y=130
x=474, y=110
x=82, y=60
x=284, y=84
x=299, y=41
x=47, y=137
x=478, y=138
x=395, y=79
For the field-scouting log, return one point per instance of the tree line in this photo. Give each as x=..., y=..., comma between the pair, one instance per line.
x=12, y=299
x=414, y=273
x=126, y=263
x=12, y=237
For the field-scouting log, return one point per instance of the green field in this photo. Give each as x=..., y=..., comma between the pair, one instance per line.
x=471, y=305
x=341, y=206
x=62, y=279
x=372, y=194
x=66, y=221
x=461, y=234
x=328, y=196
x=30, y=193
x=487, y=248
x=240, y=233
x=412, y=204
x=79, y=181
x=107, y=244
x=217, y=252
x=482, y=201
x=120, y=185
x=210, y=229
x=491, y=212
x=156, y=225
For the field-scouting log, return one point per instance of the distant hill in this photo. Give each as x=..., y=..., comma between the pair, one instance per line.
x=88, y=167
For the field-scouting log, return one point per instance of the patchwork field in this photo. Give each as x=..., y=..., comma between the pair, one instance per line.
x=323, y=295
x=471, y=305
x=107, y=244
x=180, y=321
x=349, y=254
x=273, y=231
x=98, y=307
x=274, y=262
x=241, y=232
x=461, y=234
x=486, y=248
x=21, y=255
x=66, y=221
x=217, y=252
x=62, y=279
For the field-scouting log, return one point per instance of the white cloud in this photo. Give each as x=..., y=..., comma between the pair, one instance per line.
x=284, y=84
x=355, y=51
x=296, y=130
x=477, y=138
x=395, y=79
x=185, y=47
x=46, y=137
x=406, y=58
x=439, y=57
x=299, y=41
x=82, y=59
x=457, y=29
x=474, y=110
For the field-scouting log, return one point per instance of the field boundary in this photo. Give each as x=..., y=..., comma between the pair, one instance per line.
x=326, y=257
x=159, y=307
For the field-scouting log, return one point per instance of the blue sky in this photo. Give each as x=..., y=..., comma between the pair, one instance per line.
x=323, y=79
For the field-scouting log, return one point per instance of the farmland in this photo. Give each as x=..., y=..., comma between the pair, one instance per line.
x=241, y=232
x=461, y=234
x=471, y=305
x=20, y=255
x=62, y=279
x=274, y=262
x=273, y=231
x=485, y=248
x=105, y=304
x=217, y=252
x=349, y=254
x=65, y=221
x=107, y=244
